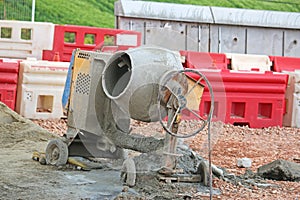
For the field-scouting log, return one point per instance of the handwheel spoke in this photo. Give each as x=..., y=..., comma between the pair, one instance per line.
x=198, y=81
x=174, y=92
x=196, y=114
x=173, y=119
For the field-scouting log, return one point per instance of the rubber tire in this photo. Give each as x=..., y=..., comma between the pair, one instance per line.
x=129, y=172
x=63, y=153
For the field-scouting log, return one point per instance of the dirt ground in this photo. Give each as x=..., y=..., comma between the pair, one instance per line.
x=23, y=178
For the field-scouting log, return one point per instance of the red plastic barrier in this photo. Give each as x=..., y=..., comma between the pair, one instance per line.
x=89, y=38
x=8, y=82
x=285, y=63
x=246, y=98
x=205, y=60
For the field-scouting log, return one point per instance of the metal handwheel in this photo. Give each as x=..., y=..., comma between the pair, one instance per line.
x=177, y=92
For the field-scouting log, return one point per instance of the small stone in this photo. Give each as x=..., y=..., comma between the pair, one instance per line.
x=244, y=162
x=231, y=176
x=125, y=189
x=35, y=158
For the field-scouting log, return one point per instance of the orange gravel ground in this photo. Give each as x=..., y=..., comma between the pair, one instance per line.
x=262, y=146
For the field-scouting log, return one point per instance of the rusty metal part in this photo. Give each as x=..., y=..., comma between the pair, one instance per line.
x=177, y=94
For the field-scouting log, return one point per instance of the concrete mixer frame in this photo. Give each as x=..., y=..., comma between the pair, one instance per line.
x=99, y=127
x=84, y=136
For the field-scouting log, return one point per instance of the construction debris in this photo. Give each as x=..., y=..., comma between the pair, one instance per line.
x=244, y=162
x=281, y=170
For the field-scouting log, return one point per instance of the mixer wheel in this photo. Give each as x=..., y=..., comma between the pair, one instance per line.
x=128, y=172
x=56, y=152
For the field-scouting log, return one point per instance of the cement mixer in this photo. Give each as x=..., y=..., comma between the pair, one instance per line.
x=105, y=91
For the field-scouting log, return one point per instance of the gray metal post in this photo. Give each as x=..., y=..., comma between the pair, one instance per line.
x=32, y=10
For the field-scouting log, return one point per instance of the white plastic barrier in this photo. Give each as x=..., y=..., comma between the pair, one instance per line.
x=297, y=76
x=292, y=104
x=297, y=87
x=40, y=89
x=20, y=39
x=249, y=62
x=296, y=104
x=296, y=111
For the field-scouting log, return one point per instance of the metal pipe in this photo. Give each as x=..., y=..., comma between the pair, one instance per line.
x=32, y=10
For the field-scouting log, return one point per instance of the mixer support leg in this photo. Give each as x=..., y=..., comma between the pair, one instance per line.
x=170, y=145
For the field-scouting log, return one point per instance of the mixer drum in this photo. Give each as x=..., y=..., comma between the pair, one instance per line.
x=131, y=79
